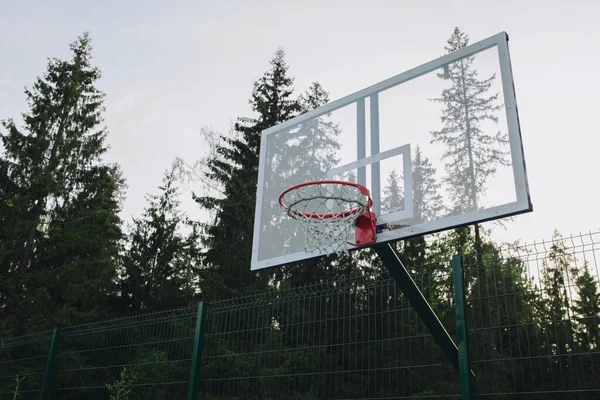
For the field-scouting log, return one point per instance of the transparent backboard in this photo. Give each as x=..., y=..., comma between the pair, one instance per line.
x=438, y=146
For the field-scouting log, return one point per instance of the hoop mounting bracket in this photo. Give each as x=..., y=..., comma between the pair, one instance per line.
x=365, y=229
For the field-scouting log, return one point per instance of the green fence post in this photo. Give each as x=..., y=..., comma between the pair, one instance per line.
x=197, y=352
x=467, y=380
x=50, y=365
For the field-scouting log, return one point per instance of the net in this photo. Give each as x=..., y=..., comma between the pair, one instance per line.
x=327, y=211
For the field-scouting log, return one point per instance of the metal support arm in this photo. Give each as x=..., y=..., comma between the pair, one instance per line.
x=408, y=286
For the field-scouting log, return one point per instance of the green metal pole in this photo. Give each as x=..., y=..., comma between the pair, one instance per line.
x=408, y=286
x=467, y=378
x=197, y=352
x=50, y=365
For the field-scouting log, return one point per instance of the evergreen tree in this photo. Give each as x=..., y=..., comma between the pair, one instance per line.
x=228, y=237
x=557, y=323
x=427, y=205
x=158, y=260
x=81, y=250
x=440, y=252
x=556, y=273
x=310, y=151
x=472, y=153
x=10, y=208
x=316, y=144
x=393, y=199
x=427, y=200
x=301, y=154
x=587, y=307
x=51, y=168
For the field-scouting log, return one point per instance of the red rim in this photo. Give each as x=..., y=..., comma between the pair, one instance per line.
x=362, y=189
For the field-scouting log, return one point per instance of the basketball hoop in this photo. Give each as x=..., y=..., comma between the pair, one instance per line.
x=329, y=212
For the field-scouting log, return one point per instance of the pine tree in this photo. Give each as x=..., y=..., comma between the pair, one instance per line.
x=317, y=146
x=427, y=199
x=472, y=153
x=556, y=274
x=393, y=199
x=557, y=310
x=52, y=168
x=301, y=154
x=587, y=308
x=427, y=204
x=310, y=151
x=234, y=169
x=10, y=209
x=158, y=261
x=81, y=251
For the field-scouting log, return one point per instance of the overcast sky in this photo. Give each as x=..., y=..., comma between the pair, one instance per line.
x=169, y=70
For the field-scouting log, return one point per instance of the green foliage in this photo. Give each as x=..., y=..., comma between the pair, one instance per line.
x=18, y=381
x=121, y=388
x=473, y=149
x=359, y=337
x=312, y=151
x=472, y=154
x=315, y=147
x=587, y=308
x=297, y=155
x=158, y=260
x=427, y=203
x=556, y=274
x=309, y=331
x=392, y=200
x=81, y=250
x=60, y=226
x=150, y=368
x=427, y=200
x=234, y=169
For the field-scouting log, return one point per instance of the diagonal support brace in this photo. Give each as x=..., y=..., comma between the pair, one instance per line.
x=408, y=286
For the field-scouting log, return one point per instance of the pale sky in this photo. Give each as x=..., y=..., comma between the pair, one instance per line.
x=170, y=70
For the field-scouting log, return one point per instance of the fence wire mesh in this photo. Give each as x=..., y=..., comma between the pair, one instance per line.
x=149, y=355
x=352, y=338
x=22, y=364
x=534, y=333
x=535, y=315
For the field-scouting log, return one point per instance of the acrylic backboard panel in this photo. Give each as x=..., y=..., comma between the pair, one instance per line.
x=439, y=146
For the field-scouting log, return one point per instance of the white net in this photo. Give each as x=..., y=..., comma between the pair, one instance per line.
x=327, y=212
